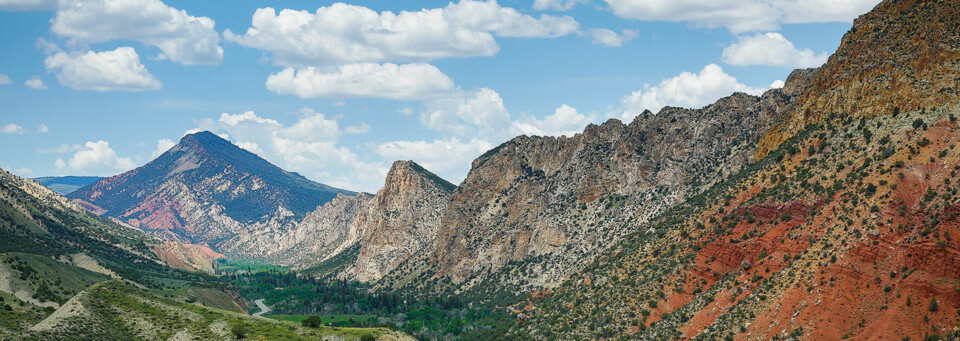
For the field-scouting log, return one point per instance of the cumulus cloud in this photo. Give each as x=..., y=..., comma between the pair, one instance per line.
x=450, y=158
x=96, y=158
x=480, y=113
x=13, y=129
x=741, y=15
x=4, y=79
x=391, y=81
x=342, y=33
x=35, y=83
x=27, y=5
x=163, y=145
x=117, y=70
x=181, y=37
x=42, y=128
x=308, y=146
x=556, y=5
x=603, y=36
x=566, y=120
x=771, y=49
x=688, y=90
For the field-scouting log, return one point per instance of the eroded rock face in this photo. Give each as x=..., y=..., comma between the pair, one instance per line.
x=401, y=220
x=207, y=191
x=320, y=235
x=535, y=209
x=903, y=54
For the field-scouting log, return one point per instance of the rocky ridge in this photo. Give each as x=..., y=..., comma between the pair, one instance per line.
x=536, y=209
x=901, y=56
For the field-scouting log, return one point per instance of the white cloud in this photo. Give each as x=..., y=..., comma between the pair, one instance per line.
x=13, y=129
x=480, y=113
x=564, y=121
x=308, y=146
x=342, y=33
x=181, y=37
x=27, y=5
x=163, y=145
x=556, y=5
x=449, y=158
x=35, y=83
x=96, y=158
x=405, y=111
x=391, y=81
x=24, y=172
x=314, y=127
x=771, y=49
x=235, y=119
x=606, y=37
x=250, y=147
x=742, y=15
x=4, y=79
x=777, y=84
x=117, y=70
x=361, y=128
x=688, y=90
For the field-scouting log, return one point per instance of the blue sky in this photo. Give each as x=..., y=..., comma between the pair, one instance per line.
x=338, y=91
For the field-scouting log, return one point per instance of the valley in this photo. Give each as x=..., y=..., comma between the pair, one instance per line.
x=825, y=208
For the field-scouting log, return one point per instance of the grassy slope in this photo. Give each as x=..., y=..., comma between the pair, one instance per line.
x=114, y=310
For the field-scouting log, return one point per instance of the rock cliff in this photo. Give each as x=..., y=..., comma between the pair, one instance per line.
x=401, y=220
x=536, y=209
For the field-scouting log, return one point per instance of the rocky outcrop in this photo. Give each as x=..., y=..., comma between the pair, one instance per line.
x=536, y=209
x=401, y=220
x=207, y=191
x=902, y=56
x=320, y=235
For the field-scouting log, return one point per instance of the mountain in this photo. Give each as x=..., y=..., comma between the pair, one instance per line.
x=902, y=56
x=207, y=191
x=66, y=184
x=401, y=220
x=845, y=228
x=536, y=209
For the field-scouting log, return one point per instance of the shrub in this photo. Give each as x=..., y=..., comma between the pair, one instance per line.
x=239, y=330
x=933, y=305
x=367, y=337
x=312, y=322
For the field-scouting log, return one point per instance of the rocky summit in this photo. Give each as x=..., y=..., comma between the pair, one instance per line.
x=208, y=191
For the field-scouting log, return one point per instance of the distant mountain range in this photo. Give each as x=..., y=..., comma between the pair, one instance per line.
x=66, y=184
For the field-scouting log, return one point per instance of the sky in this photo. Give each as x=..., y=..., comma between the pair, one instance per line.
x=338, y=91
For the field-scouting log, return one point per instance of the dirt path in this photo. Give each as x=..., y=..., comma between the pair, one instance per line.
x=263, y=308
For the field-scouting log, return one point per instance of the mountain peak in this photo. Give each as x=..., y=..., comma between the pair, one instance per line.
x=402, y=167
x=901, y=56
